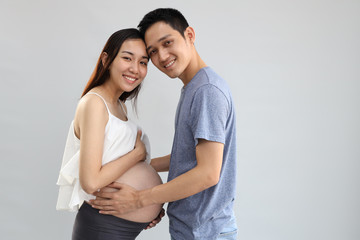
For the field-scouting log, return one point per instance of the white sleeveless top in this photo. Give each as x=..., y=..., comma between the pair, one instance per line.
x=120, y=138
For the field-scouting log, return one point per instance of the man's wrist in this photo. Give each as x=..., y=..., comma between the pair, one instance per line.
x=145, y=198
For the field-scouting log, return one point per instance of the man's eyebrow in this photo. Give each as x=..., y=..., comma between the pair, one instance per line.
x=160, y=39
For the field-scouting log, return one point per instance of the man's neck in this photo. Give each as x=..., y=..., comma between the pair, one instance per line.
x=194, y=67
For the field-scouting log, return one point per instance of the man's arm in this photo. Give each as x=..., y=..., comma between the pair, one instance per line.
x=206, y=174
x=161, y=164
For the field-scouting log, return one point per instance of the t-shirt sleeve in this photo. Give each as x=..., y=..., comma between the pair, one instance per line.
x=208, y=114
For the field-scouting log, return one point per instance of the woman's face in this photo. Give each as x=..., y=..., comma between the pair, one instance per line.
x=129, y=67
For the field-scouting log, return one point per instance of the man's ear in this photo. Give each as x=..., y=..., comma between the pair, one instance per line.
x=104, y=57
x=190, y=34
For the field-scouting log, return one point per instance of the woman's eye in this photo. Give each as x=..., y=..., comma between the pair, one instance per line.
x=167, y=42
x=127, y=58
x=144, y=63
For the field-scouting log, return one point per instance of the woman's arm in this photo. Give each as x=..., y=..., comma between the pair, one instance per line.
x=161, y=164
x=91, y=118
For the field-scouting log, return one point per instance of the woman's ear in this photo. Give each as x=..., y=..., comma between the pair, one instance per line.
x=104, y=57
x=190, y=34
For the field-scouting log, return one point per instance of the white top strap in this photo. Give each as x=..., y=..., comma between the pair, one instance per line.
x=102, y=99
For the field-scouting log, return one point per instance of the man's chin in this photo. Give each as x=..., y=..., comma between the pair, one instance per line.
x=171, y=75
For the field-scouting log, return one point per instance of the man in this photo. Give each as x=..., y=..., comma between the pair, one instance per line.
x=202, y=164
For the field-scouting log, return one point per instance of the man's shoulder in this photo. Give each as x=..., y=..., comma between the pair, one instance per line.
x=207, y=77
x=210, y=81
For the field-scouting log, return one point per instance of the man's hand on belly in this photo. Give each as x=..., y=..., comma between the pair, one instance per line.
x=123, y=200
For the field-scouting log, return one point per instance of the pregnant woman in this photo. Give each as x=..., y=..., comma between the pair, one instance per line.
x=104, y=146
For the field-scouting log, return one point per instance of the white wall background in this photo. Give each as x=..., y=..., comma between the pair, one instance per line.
x=294, y=70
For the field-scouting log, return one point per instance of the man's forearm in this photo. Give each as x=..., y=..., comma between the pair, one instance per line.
x=161, y=164
x=185, y=185
x=206, y=174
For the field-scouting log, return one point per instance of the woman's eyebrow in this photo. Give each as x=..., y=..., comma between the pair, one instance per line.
x=128, y=52
x=132, y=54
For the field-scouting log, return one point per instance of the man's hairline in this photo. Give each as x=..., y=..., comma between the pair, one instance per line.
x=182, y=34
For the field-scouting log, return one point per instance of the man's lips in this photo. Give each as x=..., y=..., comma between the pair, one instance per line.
x=170, y=63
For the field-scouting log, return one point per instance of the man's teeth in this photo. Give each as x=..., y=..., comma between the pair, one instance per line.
x=170, y=63
x=129, y=78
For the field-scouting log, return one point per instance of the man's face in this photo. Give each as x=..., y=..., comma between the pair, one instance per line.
x=168, y=49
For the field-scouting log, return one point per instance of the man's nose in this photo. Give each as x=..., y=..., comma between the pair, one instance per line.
x=163, y=55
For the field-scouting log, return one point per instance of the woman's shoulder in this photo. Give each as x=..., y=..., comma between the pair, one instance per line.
x=91, y=102
x=90, y=106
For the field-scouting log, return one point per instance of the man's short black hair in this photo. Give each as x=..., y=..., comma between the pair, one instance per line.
x=170, y=16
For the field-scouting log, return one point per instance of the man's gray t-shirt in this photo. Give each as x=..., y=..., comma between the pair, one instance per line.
x=205, y=111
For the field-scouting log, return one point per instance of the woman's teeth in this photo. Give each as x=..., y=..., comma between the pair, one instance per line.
x=130, y=79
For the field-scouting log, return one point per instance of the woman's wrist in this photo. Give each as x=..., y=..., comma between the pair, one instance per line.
x=139, y=154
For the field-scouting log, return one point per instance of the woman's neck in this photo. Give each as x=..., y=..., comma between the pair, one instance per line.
x=109, y=93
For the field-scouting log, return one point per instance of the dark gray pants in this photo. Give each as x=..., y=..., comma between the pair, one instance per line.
x=91, y=225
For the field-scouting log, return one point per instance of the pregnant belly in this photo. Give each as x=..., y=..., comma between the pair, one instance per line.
x=141, y=176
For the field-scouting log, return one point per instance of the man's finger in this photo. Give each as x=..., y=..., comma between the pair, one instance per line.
x=106, y=189
x=106, y=208
x=108, y=195
x=116, y=185
x=108, y=212
x=99, y=207
x=101, y=202
x=100, y=198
